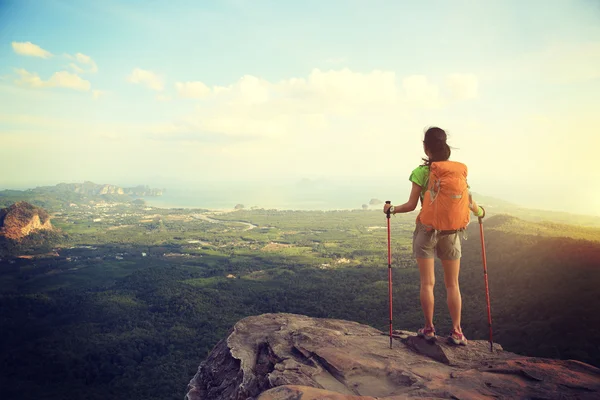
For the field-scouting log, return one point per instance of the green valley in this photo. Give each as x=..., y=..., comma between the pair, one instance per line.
x=126, y=300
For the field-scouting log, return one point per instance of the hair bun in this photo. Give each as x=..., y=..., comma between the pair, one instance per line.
x=440, y=135
x=435, y=142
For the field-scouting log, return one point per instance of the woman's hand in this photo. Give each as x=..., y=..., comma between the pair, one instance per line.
x=386, y=207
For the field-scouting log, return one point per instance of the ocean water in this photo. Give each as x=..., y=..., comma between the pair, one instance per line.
x=297, y=196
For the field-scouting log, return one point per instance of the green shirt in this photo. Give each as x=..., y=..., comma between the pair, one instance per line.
x=420, y=176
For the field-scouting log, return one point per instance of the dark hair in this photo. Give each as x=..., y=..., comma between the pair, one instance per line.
x=435, y=143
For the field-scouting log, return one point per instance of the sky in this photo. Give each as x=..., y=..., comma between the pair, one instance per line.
x=144, y=92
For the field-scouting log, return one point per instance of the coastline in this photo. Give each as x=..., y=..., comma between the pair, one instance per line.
x=213, y=208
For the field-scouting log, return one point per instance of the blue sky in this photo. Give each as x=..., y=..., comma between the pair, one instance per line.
x=131, y=91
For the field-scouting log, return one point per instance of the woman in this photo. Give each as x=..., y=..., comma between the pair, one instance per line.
x=428, y=243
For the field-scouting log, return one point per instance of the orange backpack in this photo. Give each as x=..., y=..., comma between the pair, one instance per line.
x=446, y=202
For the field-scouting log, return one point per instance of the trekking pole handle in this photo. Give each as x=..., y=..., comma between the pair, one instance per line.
x=481, y=218
x=388, y=211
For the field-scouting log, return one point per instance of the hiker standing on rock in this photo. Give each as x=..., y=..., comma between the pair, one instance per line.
x=441, y=186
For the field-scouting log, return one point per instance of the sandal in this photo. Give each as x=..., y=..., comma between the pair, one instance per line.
x=457, y=338
x=428, y=333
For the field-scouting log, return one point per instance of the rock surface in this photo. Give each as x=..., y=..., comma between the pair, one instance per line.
x=21, y=219
x=288, y=356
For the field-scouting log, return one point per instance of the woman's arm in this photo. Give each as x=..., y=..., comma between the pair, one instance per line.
x=478, y=211
x=410, y=205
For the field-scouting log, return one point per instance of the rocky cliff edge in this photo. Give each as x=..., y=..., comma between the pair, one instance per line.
x=288, y=356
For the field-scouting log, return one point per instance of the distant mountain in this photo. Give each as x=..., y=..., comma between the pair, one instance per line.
x=492, y=201
x=53, y=198
x=495, y=206
x=92, y=189
x=513, y=225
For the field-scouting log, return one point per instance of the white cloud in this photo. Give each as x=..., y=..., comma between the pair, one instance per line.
x=462, y=86
x=162, y=97
x=33, y=50
x=192, y=90
x=61, y=79
x=249, y=90
x=29, y=79
x=30, y=49
x=146, y=78
x=68, y=80
x=311, y=113
x=374, y=87
x=325, y=104
x=76, y=68
x=96, y=94
x=85, y=61
x=256, y=108
x=420, y=92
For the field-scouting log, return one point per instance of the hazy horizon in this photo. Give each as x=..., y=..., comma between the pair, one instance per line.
x=268, y=93
x=303, y=194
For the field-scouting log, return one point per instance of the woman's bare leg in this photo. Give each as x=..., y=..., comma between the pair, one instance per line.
x=427, y=282
x=451, y=270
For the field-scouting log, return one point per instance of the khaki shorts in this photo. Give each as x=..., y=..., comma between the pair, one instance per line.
x=446, y=246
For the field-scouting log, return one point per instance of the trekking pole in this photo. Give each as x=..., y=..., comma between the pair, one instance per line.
x=485, y=275
x=389, y=240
